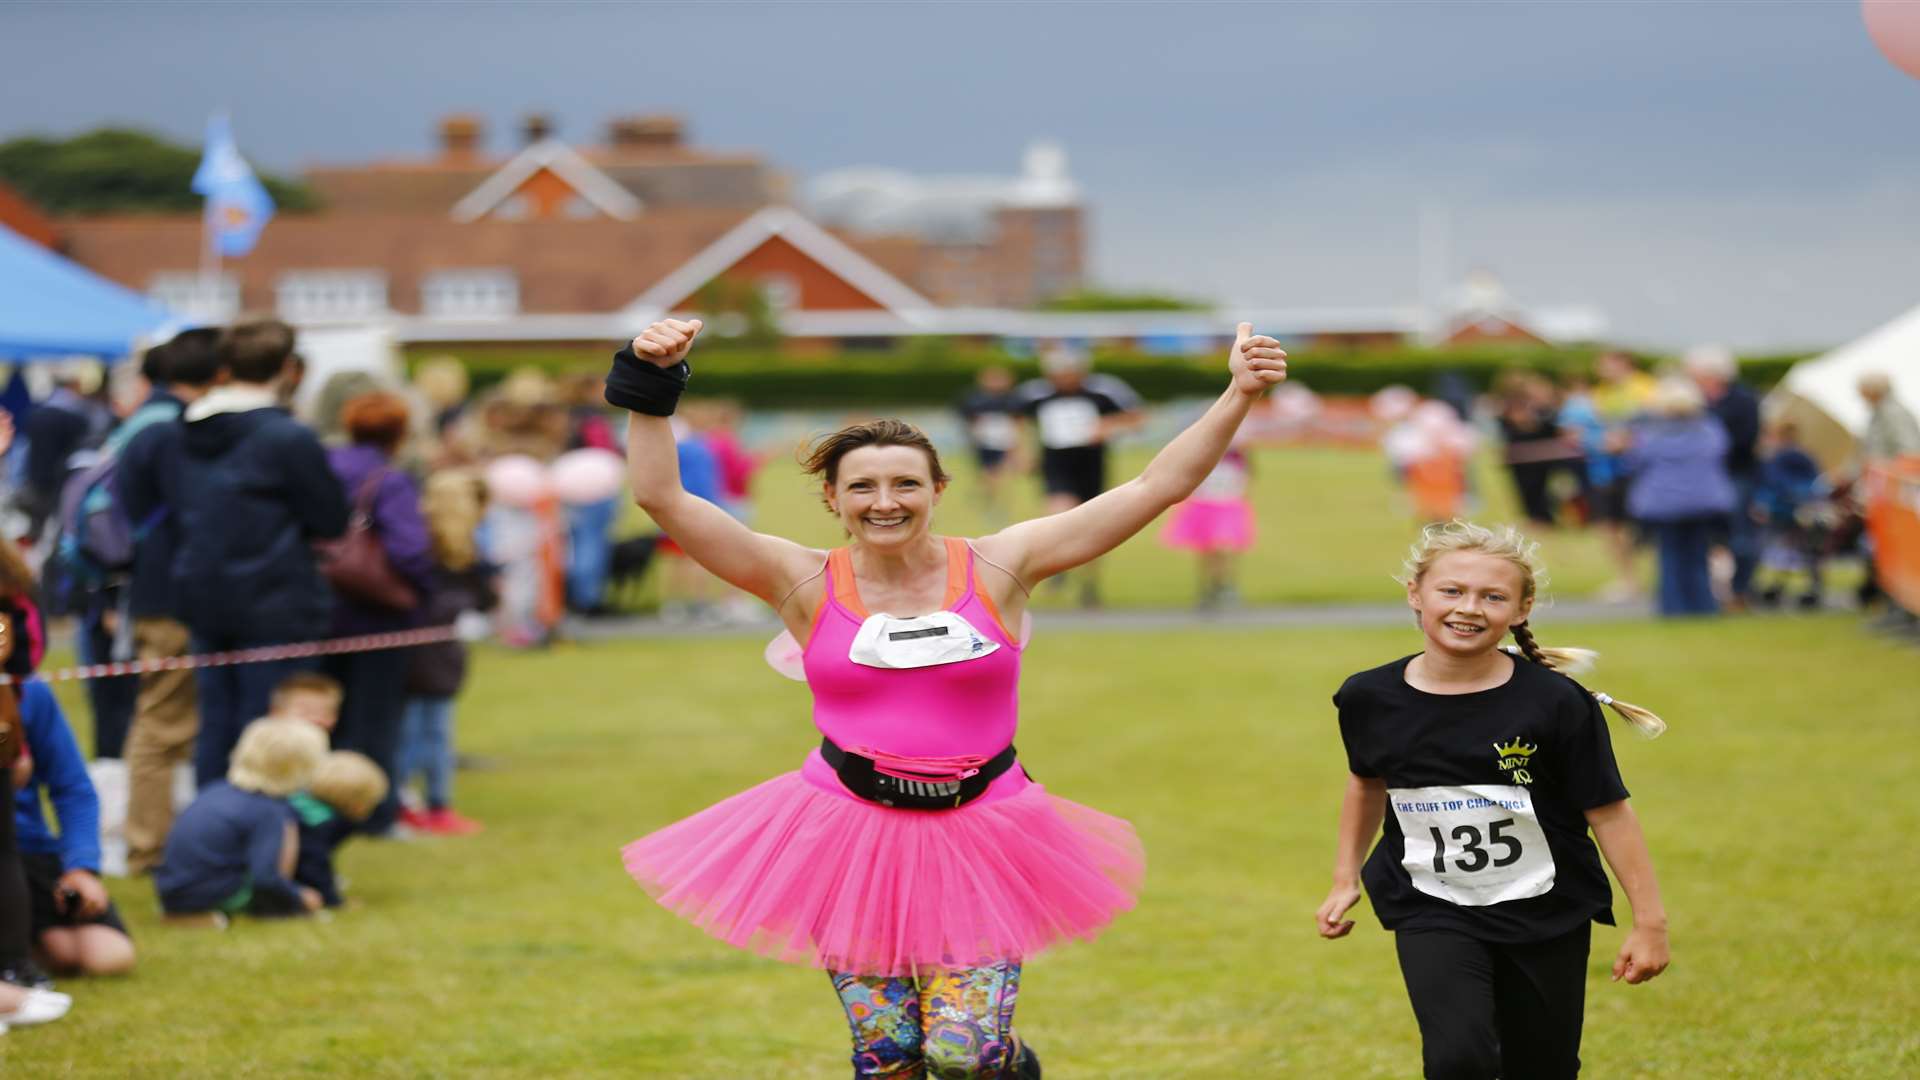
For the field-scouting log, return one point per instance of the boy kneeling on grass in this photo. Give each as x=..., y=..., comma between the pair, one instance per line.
x=345, y=791
x=233, y=850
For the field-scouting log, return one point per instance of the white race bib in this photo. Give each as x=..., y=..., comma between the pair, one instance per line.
x=995, y=431
x=1068, y=422
x=1474, y=845
x=927, y=641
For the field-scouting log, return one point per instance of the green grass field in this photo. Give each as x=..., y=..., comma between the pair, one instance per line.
x=1779, y=811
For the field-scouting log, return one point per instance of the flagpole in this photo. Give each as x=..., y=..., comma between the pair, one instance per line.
x=209, y=262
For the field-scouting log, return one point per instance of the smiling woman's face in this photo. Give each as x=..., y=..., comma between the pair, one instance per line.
x=884, y=495
x=1466, y=601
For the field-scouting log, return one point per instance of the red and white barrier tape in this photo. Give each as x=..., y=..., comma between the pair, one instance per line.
x=398, y=639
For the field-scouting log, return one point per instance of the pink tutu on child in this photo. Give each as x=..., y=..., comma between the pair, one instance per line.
x=1210, y=525
x=803, y=875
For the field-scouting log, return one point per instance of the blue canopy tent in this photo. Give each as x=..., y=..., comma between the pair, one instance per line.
x=51, y=307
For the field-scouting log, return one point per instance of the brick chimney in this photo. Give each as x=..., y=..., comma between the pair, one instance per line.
x=460, y=135
x=649, y=132
x=536, y=126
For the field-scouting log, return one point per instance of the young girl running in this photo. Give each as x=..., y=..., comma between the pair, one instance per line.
x=911, y=856
x=1494, y=767
x=1216, y=524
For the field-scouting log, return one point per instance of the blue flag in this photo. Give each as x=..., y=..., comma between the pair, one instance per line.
x=238, y=205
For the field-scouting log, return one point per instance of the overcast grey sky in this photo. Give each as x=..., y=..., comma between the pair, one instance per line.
x=1746, y=172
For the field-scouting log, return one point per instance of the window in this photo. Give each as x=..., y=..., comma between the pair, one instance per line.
x=332, y=295
x=467, y=294
x=196, y=296
x=781, y=290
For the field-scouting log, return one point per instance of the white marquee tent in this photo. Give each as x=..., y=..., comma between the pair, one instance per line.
x=1821, y=394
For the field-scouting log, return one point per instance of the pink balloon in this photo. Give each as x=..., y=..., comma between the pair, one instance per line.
x=1894, y=26
x=1293, y=403
x=1392, y=403
x=588, y=475
x=516, y=480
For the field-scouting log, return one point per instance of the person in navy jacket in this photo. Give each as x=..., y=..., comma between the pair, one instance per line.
x=255, y=493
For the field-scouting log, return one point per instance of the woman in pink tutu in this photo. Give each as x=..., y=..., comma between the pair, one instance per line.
x=1216, y=524
x=910, y=855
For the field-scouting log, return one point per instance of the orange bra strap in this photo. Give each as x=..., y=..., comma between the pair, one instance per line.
x=845, y=592
x=959, y=571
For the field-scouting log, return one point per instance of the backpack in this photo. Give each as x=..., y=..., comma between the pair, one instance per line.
x=94, y=547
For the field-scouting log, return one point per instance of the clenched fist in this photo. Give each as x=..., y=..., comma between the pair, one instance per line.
x=667, y=341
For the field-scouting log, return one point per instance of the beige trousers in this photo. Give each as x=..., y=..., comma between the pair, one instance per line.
x=165, y=719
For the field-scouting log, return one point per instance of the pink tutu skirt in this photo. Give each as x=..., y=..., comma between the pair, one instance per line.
x=1210, y=525
x=796, y=873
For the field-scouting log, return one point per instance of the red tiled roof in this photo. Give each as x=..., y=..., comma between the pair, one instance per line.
x=23, y=217
x=562, y=266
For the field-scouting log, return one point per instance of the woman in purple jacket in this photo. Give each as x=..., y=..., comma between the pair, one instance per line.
x=374, y=683
x=1679, y=489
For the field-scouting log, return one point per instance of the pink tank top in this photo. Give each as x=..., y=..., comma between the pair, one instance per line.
x=962, y=710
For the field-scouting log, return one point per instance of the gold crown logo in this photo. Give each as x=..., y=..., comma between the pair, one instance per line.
x=1516, y=748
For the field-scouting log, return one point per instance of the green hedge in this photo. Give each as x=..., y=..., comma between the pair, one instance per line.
x=928, y=374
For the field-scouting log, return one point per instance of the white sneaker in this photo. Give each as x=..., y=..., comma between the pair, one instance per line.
x=40, y=1007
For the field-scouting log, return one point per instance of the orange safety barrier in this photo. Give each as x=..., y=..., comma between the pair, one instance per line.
x=1893, y=521
x=1438, y=484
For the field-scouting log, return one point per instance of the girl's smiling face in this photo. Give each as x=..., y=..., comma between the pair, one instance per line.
x=885, y=495
x=1466, y=601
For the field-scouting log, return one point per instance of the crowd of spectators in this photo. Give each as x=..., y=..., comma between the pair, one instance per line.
x=203, y=516
x=1738, y=512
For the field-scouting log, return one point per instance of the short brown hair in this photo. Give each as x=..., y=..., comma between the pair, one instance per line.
x=305, y=682
x=376, y=418
x=256, y=349
x=822, y=459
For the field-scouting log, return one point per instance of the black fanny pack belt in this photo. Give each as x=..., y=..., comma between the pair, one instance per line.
x=861, y=778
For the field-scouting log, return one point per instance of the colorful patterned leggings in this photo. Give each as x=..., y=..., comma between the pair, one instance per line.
x=946, y=1025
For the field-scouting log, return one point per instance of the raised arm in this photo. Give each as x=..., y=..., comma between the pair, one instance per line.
x=766, y=566
x=1038, y=549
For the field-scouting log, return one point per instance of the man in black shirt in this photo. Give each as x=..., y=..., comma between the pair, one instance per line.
x=1074, y=413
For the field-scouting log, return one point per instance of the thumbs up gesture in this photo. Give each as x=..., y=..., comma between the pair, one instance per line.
x=666, y=342
x=1257, y=361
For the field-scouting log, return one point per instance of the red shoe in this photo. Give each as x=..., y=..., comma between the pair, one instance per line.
x=445, y=822
x=417, y=820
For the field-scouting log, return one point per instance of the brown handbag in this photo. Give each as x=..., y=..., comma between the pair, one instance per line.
x=357, y=564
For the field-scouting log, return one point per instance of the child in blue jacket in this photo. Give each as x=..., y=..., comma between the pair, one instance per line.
x=75, y=925
x=233, y=849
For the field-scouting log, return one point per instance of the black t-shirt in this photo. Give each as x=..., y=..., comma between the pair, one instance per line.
x=1484, y=830
x=1070, y=419
x=990, y=418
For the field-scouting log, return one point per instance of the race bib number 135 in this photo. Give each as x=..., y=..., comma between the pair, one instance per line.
x=1475, y=845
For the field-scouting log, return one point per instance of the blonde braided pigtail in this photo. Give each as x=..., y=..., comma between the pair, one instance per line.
x=1573, y=661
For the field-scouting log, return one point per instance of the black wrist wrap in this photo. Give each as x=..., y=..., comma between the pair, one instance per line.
x=644, y=386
